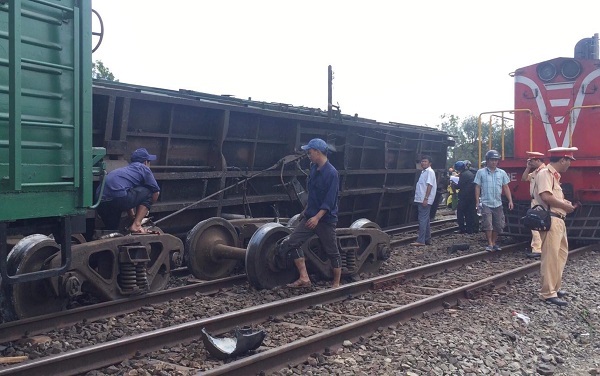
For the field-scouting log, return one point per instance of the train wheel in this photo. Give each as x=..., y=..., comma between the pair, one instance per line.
x=293, y=222
x=364, y=223
x=199, y=246
x=34, y=298
x=261, y=264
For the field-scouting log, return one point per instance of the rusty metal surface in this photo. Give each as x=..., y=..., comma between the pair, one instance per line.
x=208, y=142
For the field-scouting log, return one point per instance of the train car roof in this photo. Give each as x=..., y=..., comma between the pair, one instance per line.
x=229, y=100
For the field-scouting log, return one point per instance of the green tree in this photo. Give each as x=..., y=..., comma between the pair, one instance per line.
x=99, y=70
x=466, y=138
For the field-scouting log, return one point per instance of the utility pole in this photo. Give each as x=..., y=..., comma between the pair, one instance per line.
x=329, y=91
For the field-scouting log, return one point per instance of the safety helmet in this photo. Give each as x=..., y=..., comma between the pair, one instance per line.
x=459, y=166
x=468, y=163
x=492, y=154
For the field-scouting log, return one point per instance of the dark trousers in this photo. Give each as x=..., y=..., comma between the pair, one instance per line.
x=434, y=206
x=326, y=233
x=110, y=210
x=466, y=216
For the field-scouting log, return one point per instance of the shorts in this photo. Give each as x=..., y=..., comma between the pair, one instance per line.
x=492, y=219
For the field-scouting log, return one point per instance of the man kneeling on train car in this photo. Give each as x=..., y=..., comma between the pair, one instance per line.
x=555, y=248
x=320, y=215
x=132, y=188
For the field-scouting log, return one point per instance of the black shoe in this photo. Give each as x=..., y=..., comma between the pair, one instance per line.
x=535, y=255
x=557, y=301
x=562, y=294
x=428, y=242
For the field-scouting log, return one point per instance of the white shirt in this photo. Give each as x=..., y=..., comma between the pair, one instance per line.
x=427, y=178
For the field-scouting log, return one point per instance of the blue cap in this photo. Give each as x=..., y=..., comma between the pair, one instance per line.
x=317, y=144
x=141, y=155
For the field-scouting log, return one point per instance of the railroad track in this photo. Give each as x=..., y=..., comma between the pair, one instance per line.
x=95, y=357
x=40, y=324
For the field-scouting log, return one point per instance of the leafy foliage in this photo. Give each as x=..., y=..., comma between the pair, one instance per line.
x=99, y=70
x=466, y=137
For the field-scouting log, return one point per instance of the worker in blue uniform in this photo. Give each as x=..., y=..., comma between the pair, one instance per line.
x=132, y=188
x=320, y=215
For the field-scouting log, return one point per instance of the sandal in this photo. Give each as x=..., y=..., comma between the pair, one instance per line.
x=299, y=284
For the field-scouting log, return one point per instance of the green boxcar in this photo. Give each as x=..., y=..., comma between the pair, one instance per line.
x=45, y=108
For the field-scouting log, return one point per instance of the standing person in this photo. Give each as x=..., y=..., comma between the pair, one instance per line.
x=490, y=182
x=555, y=247
x=466, y=212
x=320, y=215
x=534, y=165
x=439, y=194
x=424, y=199
x=132, y=188
x=473, y=170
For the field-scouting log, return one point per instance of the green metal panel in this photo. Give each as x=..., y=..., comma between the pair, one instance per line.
x=45, y=108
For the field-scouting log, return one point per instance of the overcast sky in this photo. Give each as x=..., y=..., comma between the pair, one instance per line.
x=407, y=62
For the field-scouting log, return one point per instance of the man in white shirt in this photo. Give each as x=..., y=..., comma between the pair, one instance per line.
x=424, y=199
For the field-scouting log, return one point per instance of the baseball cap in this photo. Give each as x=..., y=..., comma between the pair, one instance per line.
x=317, y=144
x=141, y=155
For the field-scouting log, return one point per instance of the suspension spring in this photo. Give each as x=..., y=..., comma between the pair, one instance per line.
x=141, y=276
x=127, y=277
x=350, y=261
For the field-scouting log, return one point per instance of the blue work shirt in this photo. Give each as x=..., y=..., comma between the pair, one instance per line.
x=323, y=185
x=119, y=181
x=490, y=184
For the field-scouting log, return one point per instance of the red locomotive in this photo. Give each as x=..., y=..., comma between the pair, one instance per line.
x=557, y=103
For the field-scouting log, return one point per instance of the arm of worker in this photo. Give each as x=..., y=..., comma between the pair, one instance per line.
x=155, y=196
x=508, y=195
x=552, y=201
x=526, y=174
x=314, y=221
x=506, y=189
x=477, y=182
x=427, y=193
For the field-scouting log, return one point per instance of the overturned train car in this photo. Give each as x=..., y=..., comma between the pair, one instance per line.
x=207, y=145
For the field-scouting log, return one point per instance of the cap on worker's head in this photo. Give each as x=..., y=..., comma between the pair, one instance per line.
x=534, y=155
x=562, y=152
x=141, y=155
x=317, y=144
x=492, y=154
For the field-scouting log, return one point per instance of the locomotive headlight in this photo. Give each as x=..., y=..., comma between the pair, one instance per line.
x=570, y=69
x=546, y=71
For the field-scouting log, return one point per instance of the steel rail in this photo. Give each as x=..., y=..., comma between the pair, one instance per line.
x=433, y=233
x=14, y=330
x=105, y=354
x=415, y=226
x=297, y=351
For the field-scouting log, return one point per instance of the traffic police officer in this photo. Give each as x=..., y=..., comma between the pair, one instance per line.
x=555, y=247
x=535, y=163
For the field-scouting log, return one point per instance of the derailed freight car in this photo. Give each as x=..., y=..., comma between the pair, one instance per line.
x=206, y=143
x=218, y=157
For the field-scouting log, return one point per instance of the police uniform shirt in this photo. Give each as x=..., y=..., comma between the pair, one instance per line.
x=548, y=180
x=531, y=178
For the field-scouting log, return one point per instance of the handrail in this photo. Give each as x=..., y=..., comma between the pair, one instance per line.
x=490, y=128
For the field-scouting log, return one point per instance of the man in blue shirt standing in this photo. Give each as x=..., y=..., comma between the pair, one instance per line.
x=132, y=188
x=320, y=215
x=424, y=199
x=490, y=182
